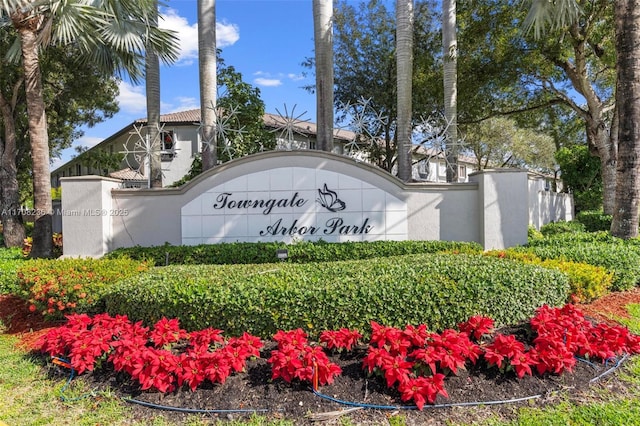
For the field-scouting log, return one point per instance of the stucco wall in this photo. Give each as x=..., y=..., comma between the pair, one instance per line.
x=492, y=209
x=546, y=206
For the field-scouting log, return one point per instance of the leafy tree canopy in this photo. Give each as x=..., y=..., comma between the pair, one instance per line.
x=76, y=94
x=241, y=108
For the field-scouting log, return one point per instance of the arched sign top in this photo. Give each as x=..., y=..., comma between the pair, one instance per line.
x=309, y=158
x=295, y=196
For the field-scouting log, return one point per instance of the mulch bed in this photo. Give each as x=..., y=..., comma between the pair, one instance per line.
x=254, y=389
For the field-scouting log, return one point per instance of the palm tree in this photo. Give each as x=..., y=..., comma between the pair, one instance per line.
x=627, y=198
x=208, y=80
x=113, y=35
x=450, y=63
x=627, y=18
x=404, y=63
x=152, y=83
x=323, y=40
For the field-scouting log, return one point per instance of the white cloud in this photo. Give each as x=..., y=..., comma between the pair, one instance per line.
x=296, y=77
x=267, y=82
x=88, y=141
x=132, y=99
x=57, y=162
x=184, y=103
x=226, y=34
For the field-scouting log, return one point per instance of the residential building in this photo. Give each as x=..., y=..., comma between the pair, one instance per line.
x=180, y=143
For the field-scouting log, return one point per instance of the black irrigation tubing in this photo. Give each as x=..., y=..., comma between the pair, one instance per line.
x=195, y=410
x=326, y=397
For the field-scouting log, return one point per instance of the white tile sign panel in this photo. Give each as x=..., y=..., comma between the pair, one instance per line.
x=293, y=204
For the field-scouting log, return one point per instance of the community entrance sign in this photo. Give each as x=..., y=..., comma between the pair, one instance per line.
x=294, y=196
x=294, y=203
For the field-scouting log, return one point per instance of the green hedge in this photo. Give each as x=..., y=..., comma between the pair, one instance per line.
x=587, y=282
x=437, y=289
x=594, y=220
x=599, y=249
x=561, y=227
x=254, y=253
x=10, y=260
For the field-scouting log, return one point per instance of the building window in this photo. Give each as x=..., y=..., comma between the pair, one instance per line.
x=442, y=168
x=462, y=172
x=423, y=169
x=78, y=169
x=167, y=139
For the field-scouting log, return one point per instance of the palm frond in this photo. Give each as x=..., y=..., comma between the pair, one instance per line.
x=550, y=13
x=14, y=54
x=164, y=43
x=7, y=7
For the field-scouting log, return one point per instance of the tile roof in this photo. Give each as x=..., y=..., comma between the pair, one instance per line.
x=274, y=121
x=127, y=174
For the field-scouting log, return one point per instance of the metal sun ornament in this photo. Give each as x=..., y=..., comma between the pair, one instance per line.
x=288, y=125
x=225, y=126
x=139, y=149
x=364, y=123
x=432, y=134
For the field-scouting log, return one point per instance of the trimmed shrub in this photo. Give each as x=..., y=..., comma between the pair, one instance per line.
x=438, y=289
x=10, y=260
x=58, y=287
x=254, y=253
x=533, y=234
x=594, y=220
x=561, y=227
x=617, y=256
x=586, y=282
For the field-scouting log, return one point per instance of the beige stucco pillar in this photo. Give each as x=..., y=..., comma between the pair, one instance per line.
x=503, y=197
x=87, y=213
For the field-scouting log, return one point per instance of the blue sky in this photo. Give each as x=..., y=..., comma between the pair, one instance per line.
x=265, y=40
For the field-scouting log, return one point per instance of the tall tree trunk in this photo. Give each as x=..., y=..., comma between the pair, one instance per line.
x=152, y=83
x=404, y=63
x=606, y=149
x=12, y=226
x=208, y=81
x=627, y=195
x=450, y=64
x=39, y=138
x=323, y=41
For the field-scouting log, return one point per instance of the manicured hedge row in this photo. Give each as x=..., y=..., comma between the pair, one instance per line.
x=252, y=253
x=594, y=221
x=555, y=228
x=598, y=249
x=438, y=289
x=587, y=282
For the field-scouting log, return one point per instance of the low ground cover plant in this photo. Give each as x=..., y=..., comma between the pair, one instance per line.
x=412, y=359
x=58, y=287
x=262, y=299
